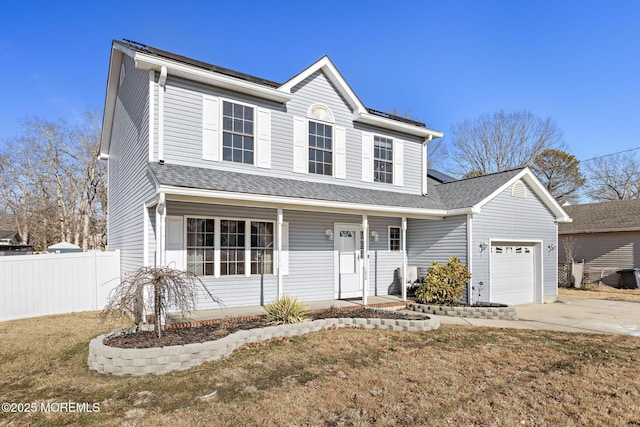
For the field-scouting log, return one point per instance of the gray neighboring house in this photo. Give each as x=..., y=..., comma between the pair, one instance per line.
x=606, y=236
x=266, y=189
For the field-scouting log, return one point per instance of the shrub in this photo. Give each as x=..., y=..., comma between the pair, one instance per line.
x=444, y=283
x=286, y=310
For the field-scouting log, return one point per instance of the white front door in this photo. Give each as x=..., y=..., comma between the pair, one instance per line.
x=347, y=247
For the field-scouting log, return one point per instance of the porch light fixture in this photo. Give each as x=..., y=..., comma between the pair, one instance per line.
x=329, y=233
x=375, y=236
x=551, y=247
x=483, y=246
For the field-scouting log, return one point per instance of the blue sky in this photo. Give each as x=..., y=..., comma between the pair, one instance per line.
x=577, y=62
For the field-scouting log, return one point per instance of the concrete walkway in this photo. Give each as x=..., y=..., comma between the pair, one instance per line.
x=575, y=315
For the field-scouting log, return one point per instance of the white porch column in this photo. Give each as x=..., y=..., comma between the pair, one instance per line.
x=161, y=214
x=403, y=240
x=279, y=249
x=365, y=258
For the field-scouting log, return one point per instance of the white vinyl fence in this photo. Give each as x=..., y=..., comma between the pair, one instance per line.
x=36, y=285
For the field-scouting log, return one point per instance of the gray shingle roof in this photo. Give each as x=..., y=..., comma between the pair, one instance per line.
x=212, y=179
x=468, y=192
x=453, y=195
x=618, y=215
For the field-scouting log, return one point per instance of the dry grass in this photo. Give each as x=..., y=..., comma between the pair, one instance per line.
x=454, y=375
x=600, y=292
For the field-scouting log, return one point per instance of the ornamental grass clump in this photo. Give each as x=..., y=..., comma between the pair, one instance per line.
x=444, y=283
x=286, y=310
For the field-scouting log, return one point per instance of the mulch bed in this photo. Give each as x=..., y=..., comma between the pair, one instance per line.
x=224, y=327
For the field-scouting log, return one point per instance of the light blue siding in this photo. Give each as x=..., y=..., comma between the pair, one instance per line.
x=129, y=185
x=507, y=218
x=183, y=132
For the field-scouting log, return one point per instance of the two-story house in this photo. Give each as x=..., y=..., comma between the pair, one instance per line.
x=265, y=189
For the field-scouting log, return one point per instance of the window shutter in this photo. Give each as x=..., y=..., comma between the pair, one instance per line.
x=174, y=245
x=299, y=145
x=210, y=128
x=284, y=261
x=398, y=162
x=263, y=146
x=367, y=157
x=341, y=153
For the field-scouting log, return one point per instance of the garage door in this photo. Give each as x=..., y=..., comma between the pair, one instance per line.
x=511, y=274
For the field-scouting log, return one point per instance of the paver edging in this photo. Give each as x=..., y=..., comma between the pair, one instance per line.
x=502, y=313
x=105, y=359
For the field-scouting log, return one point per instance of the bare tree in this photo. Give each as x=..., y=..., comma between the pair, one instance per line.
x=500, y=141
x=613, y=178
x=52, y=184
x=172, y=289
x=560, y=173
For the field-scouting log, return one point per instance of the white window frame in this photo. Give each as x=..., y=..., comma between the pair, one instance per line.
x=222, y=131
x=333, y=151
x=374, y=158
x=247, y=244
x=399, y=238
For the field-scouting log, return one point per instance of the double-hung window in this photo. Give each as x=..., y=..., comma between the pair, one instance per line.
x=232, y=247
x=394, y=239
x=320, y=148
x=200, y=246
x=262, y=242
x=382, y=159
x=237, y=132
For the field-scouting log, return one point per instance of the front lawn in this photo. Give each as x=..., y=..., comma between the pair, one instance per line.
x=454, y=375
x=600, y=292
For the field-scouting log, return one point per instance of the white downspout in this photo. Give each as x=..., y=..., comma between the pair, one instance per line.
x=161, y=83
x=403, y=240
x=365, y=258
x=279, y=240
x=152, y=96
x=424, y=164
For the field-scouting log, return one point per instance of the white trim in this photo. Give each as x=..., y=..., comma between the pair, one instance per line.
x=537, y=187
x=161, y=89
x=279, y=267
x=470, y=257
x=538, y=264
x=145, y=236
x=425, y=164
x=148, y=62
x=255, y=130
x=246, y=199
x=403, y=246
x=217, y=245
x=389, y=227
x=372, y=119
x=365, y=259
x=152, y=98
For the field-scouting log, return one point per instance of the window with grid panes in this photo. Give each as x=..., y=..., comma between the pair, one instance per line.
x=200, y=246
x=237, y=132
x=383, y=159
x=320, y=148
x=394, y=238
x=232, y=244
x=261, y=247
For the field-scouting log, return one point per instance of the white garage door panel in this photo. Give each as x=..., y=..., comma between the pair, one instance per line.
x=512, y=274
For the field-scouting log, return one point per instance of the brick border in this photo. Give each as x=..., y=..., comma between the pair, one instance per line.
x=161, y=360
x=501, y=313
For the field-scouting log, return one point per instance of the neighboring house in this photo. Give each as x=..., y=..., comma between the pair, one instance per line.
x=266, y=189
x=11, y=243
x=10, y=237
x=605, y=235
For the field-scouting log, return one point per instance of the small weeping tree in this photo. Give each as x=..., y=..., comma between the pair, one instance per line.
x=172, y=289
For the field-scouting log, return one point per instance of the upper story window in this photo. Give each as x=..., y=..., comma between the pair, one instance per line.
x=382, y=159
x=237, y=132
x=320, y=148
x=319, y=144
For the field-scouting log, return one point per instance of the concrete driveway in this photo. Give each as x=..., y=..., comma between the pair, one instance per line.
x=574, y=315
